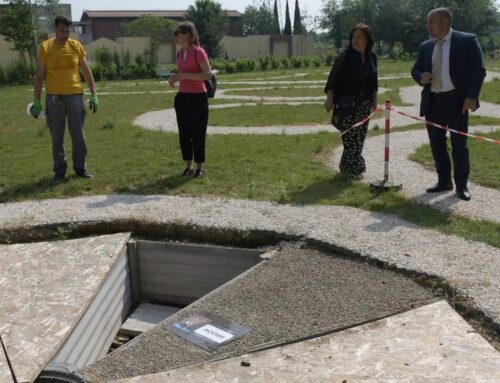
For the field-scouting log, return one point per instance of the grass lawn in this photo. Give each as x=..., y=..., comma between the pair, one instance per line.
x=128, y=159
x=265, y=115
x=281, y=91
x=491, y=91
x=482, y=156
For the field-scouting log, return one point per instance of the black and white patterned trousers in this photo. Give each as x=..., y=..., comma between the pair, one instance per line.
x=352, y=160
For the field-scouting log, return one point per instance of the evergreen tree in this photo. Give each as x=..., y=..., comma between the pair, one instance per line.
x=298, y=28
x=287, y=31
x=276, y=20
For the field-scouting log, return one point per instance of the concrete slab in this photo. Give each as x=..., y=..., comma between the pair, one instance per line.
x=5, y=374
x=429, y=344
x=296, y=294
x=46, y=288
x=145, y=317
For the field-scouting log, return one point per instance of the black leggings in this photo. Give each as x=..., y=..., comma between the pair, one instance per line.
x=192, y=119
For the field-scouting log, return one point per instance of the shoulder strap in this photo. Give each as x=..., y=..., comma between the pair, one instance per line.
x=196, y=55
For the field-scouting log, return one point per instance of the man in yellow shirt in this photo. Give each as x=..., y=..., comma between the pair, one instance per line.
x=60, y=60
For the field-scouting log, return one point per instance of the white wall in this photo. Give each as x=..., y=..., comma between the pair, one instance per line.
x=247, y=46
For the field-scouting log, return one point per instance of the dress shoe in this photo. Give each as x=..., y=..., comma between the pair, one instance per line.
x=464, y=194
x=437, y=188
x=84, y=174
x=59, y=177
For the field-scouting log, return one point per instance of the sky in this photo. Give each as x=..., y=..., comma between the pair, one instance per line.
x=307, y=7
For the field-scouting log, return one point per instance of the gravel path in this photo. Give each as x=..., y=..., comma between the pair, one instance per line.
x=164, y=120
x=415, y=178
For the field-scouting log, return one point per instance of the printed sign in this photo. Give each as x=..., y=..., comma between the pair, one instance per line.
x=208, y=331
x=214, y=333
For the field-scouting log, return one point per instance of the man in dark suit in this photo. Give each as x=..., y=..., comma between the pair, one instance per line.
x=450, y=67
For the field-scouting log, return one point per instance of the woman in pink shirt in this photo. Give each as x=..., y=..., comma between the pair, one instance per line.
x=191, y=103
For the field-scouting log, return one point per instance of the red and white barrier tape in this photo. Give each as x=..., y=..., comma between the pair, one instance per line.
x=360, y=122
x=445, y=127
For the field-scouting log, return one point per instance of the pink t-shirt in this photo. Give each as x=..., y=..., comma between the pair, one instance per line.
x=191, y=64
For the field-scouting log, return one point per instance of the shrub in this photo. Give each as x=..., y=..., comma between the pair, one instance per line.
x=18, y=73
x=397, y=51
x=116, y=60
x=150, y=70
x=3, y=79
x=139, y=71
x=139, y=59
x=126, y=73
x=275, y=62
x=316, y=61
x=217, y=64
x=251, y=65
x=307, y=61
x=98, y=71
x=126, y=58
x=229, y=67
x=103, y=57
x=264, y=62
x=330, y=58
x=296, y=62
x=285, y=62
x=241, y=65
x=111, y=72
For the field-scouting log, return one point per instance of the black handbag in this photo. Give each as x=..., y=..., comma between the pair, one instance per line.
x=211, y=86
x=345, y=103
x=211, y=83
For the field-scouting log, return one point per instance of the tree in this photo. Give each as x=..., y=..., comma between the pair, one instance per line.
x=298, y=27
x=276, y=20
x=211, y=22
x=257, y=21
x=330, y=21
x=153, y=27
x=16, y=26
x=288, y=24
x=403, y=21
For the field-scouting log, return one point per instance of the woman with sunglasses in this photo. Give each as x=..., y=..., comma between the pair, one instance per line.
x=191, y=103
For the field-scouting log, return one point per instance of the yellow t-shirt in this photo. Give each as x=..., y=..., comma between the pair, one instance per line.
x=62, y=69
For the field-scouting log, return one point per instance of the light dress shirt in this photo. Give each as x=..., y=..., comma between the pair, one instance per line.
x=446, y=82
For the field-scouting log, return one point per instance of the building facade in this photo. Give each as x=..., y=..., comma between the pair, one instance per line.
x=94, y=25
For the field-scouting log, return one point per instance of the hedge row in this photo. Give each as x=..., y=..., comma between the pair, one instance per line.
x=17, y=73
x=20, y=73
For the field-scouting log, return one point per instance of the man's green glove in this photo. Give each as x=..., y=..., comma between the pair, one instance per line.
x=36, y=108
x=94, y=102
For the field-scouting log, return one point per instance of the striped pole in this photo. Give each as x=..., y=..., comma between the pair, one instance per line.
x=387, y=141
x=385, y=184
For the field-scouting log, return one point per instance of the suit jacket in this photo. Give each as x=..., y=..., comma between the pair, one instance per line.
x=467, y=69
